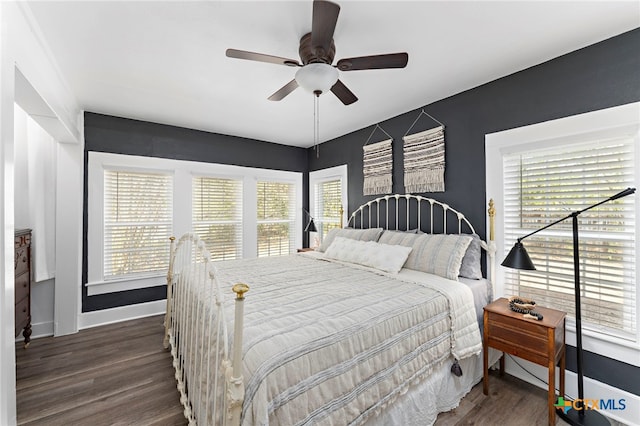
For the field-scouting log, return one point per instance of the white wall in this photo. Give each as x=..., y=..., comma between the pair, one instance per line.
x=23, y=48
x=35, y=208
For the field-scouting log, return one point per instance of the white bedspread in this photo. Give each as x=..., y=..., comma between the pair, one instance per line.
x=328, y=343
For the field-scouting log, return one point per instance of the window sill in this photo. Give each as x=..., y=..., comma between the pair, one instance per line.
x=103, y=287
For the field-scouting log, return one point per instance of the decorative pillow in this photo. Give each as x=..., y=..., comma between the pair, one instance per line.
x=398, y=238
x=355, y=234
x=439, y=254
x=470, y=267
x=385, y=257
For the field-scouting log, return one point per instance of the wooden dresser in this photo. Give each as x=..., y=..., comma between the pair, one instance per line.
x=22, y=266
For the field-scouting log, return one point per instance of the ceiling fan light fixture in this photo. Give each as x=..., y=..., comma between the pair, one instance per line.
x=317, y=77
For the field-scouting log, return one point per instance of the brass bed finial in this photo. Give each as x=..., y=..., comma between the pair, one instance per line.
x=492, y=215
x=240, y=289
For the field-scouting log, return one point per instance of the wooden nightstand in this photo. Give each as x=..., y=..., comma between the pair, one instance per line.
x=541, y=342
x=302, y=250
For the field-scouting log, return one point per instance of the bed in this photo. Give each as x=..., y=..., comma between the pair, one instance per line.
x=375, y=327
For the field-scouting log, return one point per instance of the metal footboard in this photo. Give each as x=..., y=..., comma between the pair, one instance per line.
x=209, y=382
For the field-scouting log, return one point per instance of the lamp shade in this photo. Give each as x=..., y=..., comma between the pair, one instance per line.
x=518, y=258
x=317, y=77
x=311, y=226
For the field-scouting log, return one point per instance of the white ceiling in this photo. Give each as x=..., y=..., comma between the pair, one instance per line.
x=165, y=61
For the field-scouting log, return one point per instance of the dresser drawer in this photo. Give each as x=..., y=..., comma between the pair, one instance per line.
x=21, y=260
x=22, y=287
x=22, y=314
x=22, y=238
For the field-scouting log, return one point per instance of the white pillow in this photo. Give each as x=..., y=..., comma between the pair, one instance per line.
x=385, y=257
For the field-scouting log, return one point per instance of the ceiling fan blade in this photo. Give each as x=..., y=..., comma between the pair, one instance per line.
x=325, y=16
x=391, y=60
x=343, y=93
x=260, y=57
x=284, y=91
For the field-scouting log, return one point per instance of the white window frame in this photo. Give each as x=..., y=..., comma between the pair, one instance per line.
x=183, y=172
x=337, y=172
x=611, y=122
x=229, y=177
x=297, y=227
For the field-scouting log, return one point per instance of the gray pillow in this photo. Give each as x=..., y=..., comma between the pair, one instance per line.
x=398, y=238
x=355, y=234
x=471, y=267
x=439, y=254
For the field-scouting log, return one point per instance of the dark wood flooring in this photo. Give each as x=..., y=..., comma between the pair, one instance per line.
x=116, y=374
x=120, y=374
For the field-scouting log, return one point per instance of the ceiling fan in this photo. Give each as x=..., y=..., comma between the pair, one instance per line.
x=317, y=50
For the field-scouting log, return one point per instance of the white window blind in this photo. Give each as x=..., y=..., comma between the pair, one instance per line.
x=328, y=203
x=217, y=215
x=137, y=223
x=276, y=218
x=545, y=185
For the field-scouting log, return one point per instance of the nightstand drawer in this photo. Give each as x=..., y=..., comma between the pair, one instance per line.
x=523, y=339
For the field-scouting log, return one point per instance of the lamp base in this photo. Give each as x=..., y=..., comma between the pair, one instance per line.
x=583, y=417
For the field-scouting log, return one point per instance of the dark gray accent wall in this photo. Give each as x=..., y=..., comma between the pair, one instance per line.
x=600, y=76
x=117, y=135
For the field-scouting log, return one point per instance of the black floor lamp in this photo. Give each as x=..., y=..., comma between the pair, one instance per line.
x=518, y=258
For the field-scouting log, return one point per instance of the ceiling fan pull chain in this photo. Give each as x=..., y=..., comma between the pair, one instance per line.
x=316, y=124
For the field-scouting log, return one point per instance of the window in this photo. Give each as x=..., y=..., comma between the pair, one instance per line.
x=137, y=222
x=540, y=173
x=276, y=207
x=217, y=215
x=135, y=204
x=328, y=205
x=541, y=186
x=328, y=198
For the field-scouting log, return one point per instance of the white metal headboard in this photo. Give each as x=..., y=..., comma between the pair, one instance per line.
x=383, y=210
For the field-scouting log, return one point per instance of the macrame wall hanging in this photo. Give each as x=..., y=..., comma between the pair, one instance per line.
x=377, y=165
x=424, y=159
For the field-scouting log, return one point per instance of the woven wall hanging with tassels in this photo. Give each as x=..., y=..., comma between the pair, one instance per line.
x=424, y=159
x=377, y=165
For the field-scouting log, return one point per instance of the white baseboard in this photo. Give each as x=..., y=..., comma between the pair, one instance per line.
x=593, y=389
x=122, y=313
x=42, y=329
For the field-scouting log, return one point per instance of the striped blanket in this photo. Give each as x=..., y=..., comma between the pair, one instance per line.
x=329, y=343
